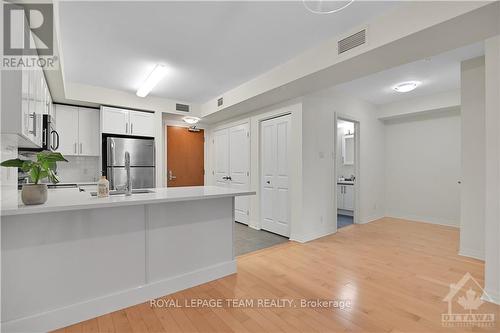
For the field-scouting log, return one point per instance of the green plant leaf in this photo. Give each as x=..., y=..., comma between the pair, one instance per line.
x=35, y=173
x=14, y=163
x=26, y=166
x=50, y=157
x=43, y=167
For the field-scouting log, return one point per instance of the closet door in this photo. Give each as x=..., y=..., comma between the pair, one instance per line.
x=275, y=202
x=239, y=169
x=221, y=153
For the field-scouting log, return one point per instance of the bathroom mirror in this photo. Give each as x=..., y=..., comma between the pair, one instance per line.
x=348, y=149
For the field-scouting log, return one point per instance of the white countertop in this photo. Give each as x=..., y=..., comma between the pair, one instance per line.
x=72, y=199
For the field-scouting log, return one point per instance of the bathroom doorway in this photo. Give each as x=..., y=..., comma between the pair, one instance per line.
x=346, y=171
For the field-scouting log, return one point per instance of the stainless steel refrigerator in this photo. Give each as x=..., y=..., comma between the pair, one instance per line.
x=142, y=162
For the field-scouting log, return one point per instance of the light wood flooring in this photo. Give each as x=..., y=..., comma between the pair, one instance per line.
x=395, y=273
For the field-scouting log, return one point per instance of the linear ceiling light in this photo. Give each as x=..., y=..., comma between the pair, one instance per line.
x=156, y=75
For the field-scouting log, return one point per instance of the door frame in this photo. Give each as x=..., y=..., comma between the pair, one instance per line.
x=168, y=122
x=357, y=184
x=260, y=121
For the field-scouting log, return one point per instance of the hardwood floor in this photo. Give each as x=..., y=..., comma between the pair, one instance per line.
x=395, y=273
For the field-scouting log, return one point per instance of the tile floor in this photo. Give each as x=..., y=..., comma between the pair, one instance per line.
x=248, y=240
x=344, y=220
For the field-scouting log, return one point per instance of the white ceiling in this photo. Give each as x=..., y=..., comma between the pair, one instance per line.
x=210, y=47
x=437, y=74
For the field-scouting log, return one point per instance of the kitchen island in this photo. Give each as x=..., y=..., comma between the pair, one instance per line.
x=77, y=257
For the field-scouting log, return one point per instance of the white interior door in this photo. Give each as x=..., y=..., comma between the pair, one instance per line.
x=221, y=153
x=239, y=169
x=275, y=201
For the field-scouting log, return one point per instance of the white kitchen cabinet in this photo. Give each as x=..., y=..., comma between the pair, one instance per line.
x=88, y=132
x=127, y=122
x=67, y=127
x=114, y=121
x=142, y=123
x=78, y=130
x=21, y=106
x=345, y=197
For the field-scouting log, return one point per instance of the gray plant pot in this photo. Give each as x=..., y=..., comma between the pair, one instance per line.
x=34, y=194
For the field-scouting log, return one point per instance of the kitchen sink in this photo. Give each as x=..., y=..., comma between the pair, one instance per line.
x=115, y=192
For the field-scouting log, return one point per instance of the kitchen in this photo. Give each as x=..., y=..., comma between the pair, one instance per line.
x=95, y=254
x=197, y=158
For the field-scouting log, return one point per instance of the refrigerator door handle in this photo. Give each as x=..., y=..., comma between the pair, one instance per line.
x=112, y=162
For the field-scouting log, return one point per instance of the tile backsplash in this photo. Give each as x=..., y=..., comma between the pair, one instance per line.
x=79, y=169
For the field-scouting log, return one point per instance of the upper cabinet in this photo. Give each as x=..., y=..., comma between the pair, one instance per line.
x=127, y=122
x=78, y=130
x=25, y=98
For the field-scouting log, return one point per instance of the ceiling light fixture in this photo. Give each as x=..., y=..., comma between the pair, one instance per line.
x=191, y=120
x=325, y=6
x=406, y=86
x=152, y=80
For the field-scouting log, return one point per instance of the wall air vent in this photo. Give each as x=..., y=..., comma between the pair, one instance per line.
x=220, y=101
x=182, y=107
x=348, y=43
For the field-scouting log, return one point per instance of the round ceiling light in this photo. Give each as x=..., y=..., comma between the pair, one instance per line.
x=406, y=86
x=325, y=6
x=191, y=120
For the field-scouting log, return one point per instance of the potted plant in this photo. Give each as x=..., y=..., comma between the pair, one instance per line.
x=44, y=166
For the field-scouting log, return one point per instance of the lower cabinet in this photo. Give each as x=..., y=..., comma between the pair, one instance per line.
x=345, y=197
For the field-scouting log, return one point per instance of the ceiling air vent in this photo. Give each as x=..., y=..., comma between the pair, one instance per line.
x=220, y=101
x=182, y=107
x=355, y=40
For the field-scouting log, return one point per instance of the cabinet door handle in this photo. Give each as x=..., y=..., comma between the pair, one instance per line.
x=131, y=128
x=33, y=116
x=81, y=149
x=126, y=127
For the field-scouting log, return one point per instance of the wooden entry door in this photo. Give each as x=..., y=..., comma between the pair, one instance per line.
x=185, y=157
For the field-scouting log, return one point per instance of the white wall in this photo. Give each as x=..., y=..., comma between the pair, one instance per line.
x=429, y=104
x=422, y=160
x=492, y=227
x=318, y=160
x=473, y=158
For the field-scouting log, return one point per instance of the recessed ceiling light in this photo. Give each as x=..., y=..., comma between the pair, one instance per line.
x=406, y=86
x=191, y=120
x=152, y=80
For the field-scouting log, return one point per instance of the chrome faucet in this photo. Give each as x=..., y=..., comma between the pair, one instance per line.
x=128, y=184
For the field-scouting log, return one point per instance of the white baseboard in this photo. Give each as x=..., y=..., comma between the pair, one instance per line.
x=491, y=297
x=370, y=219
x=76, y=313
x=308, y=238
x=426, y=219
x=471, y=253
